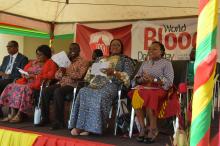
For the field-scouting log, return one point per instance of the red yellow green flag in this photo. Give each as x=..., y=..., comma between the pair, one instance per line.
x=204, y=69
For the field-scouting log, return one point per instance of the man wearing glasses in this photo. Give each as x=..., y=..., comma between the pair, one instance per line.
x=10, y=63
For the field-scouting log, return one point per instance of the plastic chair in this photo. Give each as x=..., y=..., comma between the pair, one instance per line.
x=79, y=85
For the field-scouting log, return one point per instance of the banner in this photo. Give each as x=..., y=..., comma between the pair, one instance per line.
x=178, y=37
x=90, y=39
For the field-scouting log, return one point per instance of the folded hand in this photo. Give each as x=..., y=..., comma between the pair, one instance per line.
x=4, y=75
x=147, y=77
x=108, y=71
x=63, y=70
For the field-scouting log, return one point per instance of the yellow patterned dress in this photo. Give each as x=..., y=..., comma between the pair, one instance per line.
x=93, y=103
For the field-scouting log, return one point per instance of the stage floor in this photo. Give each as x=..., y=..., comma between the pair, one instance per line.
x=108, y=137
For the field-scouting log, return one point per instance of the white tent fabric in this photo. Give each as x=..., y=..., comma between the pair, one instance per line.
x=63, y=11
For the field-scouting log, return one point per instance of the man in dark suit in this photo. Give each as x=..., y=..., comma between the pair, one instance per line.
x=10, y=63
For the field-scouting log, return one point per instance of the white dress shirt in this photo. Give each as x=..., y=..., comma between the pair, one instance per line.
x=11, y=63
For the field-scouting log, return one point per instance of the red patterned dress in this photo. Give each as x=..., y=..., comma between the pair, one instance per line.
x=18, y=95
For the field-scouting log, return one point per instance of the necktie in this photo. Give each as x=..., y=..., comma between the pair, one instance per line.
x=9, y=66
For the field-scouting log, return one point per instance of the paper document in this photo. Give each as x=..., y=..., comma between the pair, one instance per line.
x=97, y=67
x=23, y=72
x=61, y=59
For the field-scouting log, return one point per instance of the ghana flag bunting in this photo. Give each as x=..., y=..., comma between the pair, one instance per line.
x=204, y=70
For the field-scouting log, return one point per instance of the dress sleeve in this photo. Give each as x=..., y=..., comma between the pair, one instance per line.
x=24, y=80
x=48, y=72
x=168, y=76
x=126, y=73
x=79, y=69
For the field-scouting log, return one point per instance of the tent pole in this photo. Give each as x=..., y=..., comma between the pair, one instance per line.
x=52, y=27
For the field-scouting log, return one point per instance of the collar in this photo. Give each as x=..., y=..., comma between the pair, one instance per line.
x=15, y=55
x=76, y=59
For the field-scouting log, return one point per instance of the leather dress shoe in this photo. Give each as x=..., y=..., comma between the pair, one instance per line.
x=1, y=112
x=56, y=126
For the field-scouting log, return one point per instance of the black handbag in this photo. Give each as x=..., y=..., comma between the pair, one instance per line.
x=124, y=120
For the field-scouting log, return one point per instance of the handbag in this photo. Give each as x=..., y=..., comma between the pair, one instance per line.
x=37, y=111
x=124, y=120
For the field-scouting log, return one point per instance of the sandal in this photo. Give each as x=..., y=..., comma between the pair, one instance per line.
x=141, y=136
x=16, y=119
x=85, y=133
x=75, y=132
x=153, y=135
x=6, y=119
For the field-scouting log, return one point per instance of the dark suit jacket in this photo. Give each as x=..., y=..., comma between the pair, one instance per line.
x=20, y=62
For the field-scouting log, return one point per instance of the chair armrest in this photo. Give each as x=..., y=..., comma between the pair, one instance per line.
x=47, y=83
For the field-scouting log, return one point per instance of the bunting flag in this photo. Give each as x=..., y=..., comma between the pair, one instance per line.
x=204, y=69
x=11, y=29
x=21, y=31
x=18, y=137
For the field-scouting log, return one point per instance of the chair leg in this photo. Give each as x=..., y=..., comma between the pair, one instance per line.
x=131, y=123
x=218, y=97
x=110, y=115
x=117, y=112
x=71, y=109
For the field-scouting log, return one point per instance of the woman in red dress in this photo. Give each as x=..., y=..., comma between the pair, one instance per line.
x=18, y=96
x=154, y=78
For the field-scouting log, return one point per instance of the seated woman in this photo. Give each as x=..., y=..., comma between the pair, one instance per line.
x=157, y=74
x=93, y=103
x=18, y=96
x=97, y=55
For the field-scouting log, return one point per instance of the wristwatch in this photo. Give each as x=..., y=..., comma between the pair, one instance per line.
x=155, y=79
x=114, y=72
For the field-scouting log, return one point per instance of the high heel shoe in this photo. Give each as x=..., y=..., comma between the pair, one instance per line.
x=16, y=119
x=153, y=135
x=140, y=138
x=142, y=135
x=7, y=119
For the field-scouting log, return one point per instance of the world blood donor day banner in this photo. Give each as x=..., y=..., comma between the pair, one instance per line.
x=178, y=37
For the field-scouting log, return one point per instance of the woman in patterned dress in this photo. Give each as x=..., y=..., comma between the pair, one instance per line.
x=157, y=74
x=18, y=95
x=93, y=103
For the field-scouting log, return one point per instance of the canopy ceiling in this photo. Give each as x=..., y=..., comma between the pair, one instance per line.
x=63, y=11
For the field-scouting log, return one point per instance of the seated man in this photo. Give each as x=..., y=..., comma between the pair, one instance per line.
x=10, y=63
x=67, y=80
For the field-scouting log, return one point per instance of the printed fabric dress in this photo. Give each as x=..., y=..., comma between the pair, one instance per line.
x=18, y=95
x=93, y=103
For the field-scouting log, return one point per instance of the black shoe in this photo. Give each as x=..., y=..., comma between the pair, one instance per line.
x=1, y=113
x=140, y=139
x=56, y=126
x=149, y=140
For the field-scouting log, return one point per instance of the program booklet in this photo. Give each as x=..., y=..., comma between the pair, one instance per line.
x=97, y=68
x=23, y=72
x=61, y=59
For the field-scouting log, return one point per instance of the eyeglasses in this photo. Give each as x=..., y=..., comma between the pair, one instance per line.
x=8, y=46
